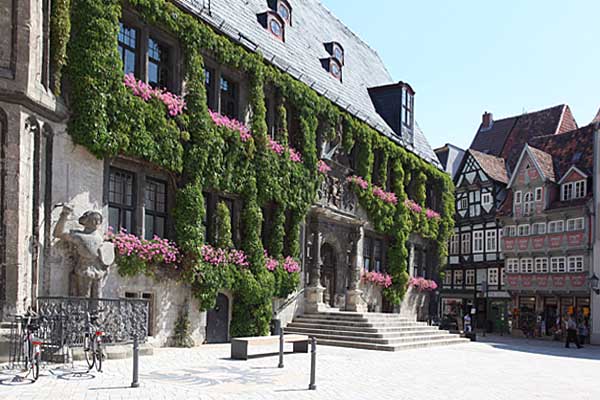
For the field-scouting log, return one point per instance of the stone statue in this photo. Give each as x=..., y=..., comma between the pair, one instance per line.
x=93, y=255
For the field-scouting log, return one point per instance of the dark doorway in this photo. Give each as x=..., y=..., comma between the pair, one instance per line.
x=328, y=274
x=217, y=321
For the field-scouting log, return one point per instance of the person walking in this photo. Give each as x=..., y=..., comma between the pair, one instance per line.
x=572, y=332
x=582, y=331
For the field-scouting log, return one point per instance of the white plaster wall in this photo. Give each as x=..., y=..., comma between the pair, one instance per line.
x=169, y=298
x=291, y=310
x=372, y=294
x=77, y=180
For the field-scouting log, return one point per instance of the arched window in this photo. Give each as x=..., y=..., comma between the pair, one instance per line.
x=285, y=11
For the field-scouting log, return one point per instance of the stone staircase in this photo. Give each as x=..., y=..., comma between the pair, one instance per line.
x=373, y=331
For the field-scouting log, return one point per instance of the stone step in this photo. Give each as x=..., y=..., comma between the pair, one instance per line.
x=390, y=329
x=364, y=324
x=373, y=340
x=394, y=347
x=315, y=331
x=343, y=316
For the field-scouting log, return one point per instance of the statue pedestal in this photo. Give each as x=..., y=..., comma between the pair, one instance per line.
x=314, y=299
x=355, y=302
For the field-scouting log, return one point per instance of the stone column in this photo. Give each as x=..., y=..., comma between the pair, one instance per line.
x=354, y=299
x=411, y=259
x=314, y=292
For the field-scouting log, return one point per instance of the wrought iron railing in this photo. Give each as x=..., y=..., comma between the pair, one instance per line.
x=64, y=319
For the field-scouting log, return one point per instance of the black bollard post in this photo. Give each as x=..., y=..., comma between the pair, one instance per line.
x=313, y=363
x=280, y=348
x=136, y=348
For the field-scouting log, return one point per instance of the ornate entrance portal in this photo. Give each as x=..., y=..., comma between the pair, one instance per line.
x=328, y=274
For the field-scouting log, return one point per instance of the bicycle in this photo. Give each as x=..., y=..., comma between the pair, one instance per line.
x=92, y=341
x=31, y=346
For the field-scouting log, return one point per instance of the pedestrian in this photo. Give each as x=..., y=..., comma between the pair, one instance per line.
x=467, y=323
x=572, y=332
x=582, y=331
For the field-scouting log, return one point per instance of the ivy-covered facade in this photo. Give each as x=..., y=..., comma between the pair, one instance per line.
x=274, y=175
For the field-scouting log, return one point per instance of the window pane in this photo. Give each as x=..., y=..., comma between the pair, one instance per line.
x=127, y=224
x=159, y=227
x=148, y=226
x=113, y=218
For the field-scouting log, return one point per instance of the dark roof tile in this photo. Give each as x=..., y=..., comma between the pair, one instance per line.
x=494, y=167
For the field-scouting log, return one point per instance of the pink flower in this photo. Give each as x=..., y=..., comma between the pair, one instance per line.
x=230, y=123
x=175, y=104
x=294, y=155
x=359, y=181
x=276, y=147
x=377, y=278
x=156, y=251
x=323, y=167
x=422, y=284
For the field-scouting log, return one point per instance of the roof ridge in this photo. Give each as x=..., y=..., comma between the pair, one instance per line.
x=564, y=133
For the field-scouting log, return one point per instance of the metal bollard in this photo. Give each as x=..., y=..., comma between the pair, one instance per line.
x=280, y=349
x=313, y=363
x=136, y=349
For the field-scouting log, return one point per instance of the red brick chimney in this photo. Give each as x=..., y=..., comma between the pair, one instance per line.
x=487, y=120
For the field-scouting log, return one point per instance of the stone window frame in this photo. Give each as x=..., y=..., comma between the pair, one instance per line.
x=371, y=238
x=221, y=71
x=146, y=31
x=142, y=170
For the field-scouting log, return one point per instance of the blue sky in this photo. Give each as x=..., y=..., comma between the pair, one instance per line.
x=466, y=57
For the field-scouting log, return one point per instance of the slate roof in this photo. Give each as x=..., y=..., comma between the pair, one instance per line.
x=494, y=167
x=300, y=55
x=450, y=157
x=544, y=161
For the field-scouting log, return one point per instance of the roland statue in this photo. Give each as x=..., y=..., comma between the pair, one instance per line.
x=92, y=254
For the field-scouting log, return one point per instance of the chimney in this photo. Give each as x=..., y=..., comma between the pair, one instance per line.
x=487, y=120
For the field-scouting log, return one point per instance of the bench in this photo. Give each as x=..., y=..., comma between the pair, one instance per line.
x=239, y=346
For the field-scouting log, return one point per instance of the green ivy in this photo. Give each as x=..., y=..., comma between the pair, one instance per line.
x=108, y=120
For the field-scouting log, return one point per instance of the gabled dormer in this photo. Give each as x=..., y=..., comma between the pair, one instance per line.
x=573, y=184
x=396, y=105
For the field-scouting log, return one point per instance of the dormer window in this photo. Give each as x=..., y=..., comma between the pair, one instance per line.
x=573, y=190
x=285, y=11
x=335, y=69
x=408, y=105
x=274, y=23
x=276, y=28
x=338, y=53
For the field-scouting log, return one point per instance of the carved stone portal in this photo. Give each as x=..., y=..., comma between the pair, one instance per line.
x=92, y=255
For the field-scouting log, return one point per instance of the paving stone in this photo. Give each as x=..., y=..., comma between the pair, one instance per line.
x=499, y=368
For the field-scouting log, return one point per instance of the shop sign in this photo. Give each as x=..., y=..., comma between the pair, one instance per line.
x=575, y=239
x=538, y=242
x=577, y=280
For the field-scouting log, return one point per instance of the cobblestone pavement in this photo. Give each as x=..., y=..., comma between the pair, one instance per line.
x=499, y=368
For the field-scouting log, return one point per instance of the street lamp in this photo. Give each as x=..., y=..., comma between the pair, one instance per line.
x=595, y=283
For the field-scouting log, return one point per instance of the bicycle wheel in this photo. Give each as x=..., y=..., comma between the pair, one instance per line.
x=88, y=351
x=36, y=366
x=99, y=358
